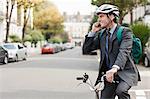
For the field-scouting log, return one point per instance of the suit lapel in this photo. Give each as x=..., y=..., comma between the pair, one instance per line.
x=114, y=36
x=103, y=44
x=103, y=41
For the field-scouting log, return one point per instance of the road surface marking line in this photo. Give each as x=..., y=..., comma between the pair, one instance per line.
x=140, y=97
x=140, y=94
x=145, y=90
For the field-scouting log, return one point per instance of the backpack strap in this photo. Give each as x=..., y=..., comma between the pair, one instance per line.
x=119, y=33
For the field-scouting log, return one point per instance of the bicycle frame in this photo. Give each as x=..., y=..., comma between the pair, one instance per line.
x=98, y=88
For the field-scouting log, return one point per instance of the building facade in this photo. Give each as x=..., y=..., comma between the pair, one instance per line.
x=77, y=26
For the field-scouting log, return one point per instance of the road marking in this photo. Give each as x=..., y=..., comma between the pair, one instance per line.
x=145, y=90
x=140, y=94
x=140, y=97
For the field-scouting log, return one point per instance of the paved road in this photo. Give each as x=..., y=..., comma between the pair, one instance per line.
x=53, y=77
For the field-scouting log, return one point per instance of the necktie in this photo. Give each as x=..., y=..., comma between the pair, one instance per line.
x=107, y=41
x=107, y=48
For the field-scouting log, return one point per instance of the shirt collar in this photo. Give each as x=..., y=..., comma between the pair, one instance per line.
x=113, y=29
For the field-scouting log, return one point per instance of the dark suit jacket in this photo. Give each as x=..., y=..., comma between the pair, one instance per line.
x=119, y=54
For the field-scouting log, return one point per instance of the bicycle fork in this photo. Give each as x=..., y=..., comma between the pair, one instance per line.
x=97, y=95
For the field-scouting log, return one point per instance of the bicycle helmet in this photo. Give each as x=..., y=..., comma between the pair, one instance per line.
x=107, y=8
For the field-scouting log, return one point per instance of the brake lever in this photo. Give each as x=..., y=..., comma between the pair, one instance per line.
x=85, y=77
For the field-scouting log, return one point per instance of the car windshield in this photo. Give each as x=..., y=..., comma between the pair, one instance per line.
x=48, y=45
x=10, y=46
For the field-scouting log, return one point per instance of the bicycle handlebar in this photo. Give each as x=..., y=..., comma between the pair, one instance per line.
x=86, y=77
x=99, y=87
x=103, y=78
x=80, y=78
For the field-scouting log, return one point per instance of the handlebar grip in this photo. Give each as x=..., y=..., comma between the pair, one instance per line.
x=104, y=79
x=80, y=78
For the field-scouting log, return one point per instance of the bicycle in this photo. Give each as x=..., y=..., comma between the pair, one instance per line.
x=98, y=88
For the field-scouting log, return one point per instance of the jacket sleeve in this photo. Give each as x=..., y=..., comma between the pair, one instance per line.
x=90, y=44
x=125, y=48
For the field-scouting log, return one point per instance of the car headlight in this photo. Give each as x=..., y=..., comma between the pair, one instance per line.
x=11, y=53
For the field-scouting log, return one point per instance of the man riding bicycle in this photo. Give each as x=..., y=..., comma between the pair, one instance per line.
x=116, y=61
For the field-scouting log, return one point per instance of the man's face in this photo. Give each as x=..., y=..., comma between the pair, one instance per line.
x=104, y=20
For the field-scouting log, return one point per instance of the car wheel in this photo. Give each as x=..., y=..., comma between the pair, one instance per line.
x=5, y=61
x=52, y=52
x=146, y=62
x=25, y=58
x=16, y=58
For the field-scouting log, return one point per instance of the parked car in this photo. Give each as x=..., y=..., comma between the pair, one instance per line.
x=16, y=51
x=62, y=46
x=69, y=45
x=58, y=47
x=147, y=55
x=49, y=49
x=3, y=55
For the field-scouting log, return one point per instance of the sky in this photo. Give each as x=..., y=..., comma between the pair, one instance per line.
x=73, y=6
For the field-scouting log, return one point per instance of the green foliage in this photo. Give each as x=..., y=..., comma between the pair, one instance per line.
x=59, y=38
x=14, y=38
x=36, y=35
x=55, y=40
x=28, y=38
x=65, y=37
x=141, y=31
x=48, y=19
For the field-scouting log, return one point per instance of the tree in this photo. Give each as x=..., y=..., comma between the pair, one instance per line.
x=141, y=31
x=27, y=6
x=48, y=19
x=9, y=5
x=65, y=37
x=36, y=36
x=14, y=38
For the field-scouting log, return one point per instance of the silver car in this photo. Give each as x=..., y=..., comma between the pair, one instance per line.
x=147, y=54
x=16, y=51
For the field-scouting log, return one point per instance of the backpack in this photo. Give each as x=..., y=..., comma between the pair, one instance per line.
x=136, y=51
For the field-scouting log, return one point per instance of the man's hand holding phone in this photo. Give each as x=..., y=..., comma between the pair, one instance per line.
x=96, y=27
